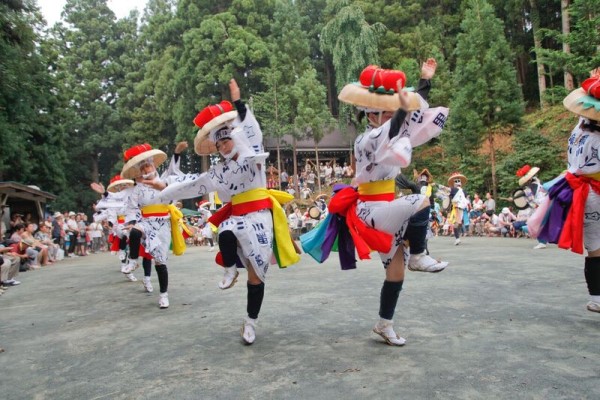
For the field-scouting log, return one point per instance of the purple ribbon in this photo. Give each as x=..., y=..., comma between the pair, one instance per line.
x=561, y=195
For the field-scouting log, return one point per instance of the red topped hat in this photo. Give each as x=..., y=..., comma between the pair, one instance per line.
x=585, y=101
x=209, y=120
x=377, y=90
x=525, y=173
x=117, y=184
x=135, y=154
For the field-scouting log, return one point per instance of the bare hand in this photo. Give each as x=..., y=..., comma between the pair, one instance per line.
x=97, y=187
x=428, y=68
x=181, y=146
x=595, y=73
x=404, y=97
x=234, y=90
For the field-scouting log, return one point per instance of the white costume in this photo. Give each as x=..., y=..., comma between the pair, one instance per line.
x=583, y=159
x=156, y=230
x=254, y=231
x=379, y=158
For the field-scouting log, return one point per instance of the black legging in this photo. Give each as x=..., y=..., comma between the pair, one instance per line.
x=416, y=232
x=228, y=247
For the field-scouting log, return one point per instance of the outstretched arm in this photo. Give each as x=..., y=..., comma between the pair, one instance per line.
x=236, y=99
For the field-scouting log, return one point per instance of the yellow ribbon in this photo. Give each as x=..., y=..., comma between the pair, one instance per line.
x=595, y=176
x=284, y=248
x=176, y=216
x=377, y=187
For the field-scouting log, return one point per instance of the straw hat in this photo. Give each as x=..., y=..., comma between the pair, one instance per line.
x=58, y=214
x=134, y=155
x=457, y=175
x=426, y=172
x=525, y=173
x=377, y=90
x=117, y=184
x=211, y=120
x=585, y=101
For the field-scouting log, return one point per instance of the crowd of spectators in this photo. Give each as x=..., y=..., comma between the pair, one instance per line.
x=26, y=244
x=482, y=219
x=326, y=174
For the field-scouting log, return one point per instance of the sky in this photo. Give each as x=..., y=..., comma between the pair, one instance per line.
x=51, y=9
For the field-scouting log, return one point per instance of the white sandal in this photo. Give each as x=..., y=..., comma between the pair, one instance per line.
x=249, y=330
x=230, y=278
x=385, y=329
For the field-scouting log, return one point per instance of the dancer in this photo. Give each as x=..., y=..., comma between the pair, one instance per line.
x=576, y=195
x=111, y=208
x=458, y=198
x=374, y=218
x=533, y=192
x=253, y=226
x=152, y=223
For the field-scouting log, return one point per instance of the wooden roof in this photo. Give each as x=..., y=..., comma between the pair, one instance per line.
x=18, y=190
x=336, y=140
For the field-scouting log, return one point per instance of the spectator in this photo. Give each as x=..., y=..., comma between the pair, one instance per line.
x=43, y=237
x=57, y=229
x=305, y=193
x=489, y=204
x=81, y=235
x=477, y=208
x=505, y=221
x=21, y=251
x=521, y=221
x=9, y=266
x=284, y=180
x=72, y=231
x=310, y=180
x=41, y=256
x=492, y=225
x=17, y=232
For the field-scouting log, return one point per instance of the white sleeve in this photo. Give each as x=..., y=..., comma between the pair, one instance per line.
x=251, y=131
x=423, y=125
x=187, y=186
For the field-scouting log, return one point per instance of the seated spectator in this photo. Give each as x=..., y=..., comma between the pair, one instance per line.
x=476, y=228
x=491, y=226
x=15, y=219
x=305, y=193
x=43, y=237
x=42, y=256
x=521, y=221
x=9, y=266
x=505, y=220
x=20, y=250
x=18, y=230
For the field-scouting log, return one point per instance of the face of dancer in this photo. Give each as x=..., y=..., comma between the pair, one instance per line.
x=377, y=119
x=225, y=147
x=148, y=170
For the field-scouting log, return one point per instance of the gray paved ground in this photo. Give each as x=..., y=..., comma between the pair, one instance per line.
x=503, y=321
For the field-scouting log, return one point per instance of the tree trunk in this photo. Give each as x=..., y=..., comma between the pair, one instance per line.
x=566, y=30
x=317, y=169
x=279, y=162
x=493, y=161
x=295, y=178
x=537, y=44
x=95, y=173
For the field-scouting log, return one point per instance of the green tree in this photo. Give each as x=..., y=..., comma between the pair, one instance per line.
x=31, y=137
x=94, y=49
x=487, y=97
x=350, y=42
